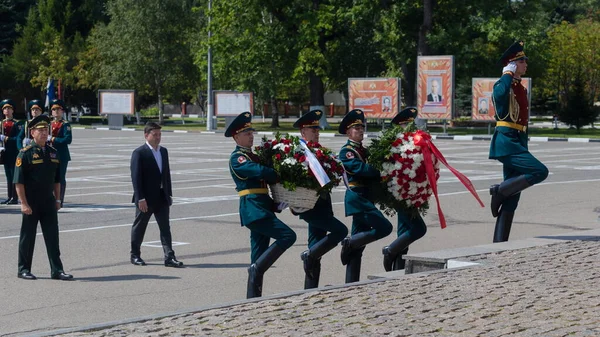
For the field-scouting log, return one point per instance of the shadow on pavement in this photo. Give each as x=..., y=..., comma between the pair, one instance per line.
x=217, y=265
x=133, y=277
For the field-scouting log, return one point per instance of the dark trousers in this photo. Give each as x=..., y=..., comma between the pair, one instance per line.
x=521, y=164
x=46, y=215
x=263, y=230
x=413, y=228
x=62, y=168
x=138, y=230
x=372, y=221
x=9, y=171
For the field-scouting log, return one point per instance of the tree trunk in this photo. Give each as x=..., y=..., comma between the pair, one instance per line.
x=317, y=98
x=423, y=46
x=409, y=83
x=274, y=113
x=161, y=108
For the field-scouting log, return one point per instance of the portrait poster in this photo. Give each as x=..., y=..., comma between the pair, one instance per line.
x=376, y=97
x=435, y=86
x=482, y=106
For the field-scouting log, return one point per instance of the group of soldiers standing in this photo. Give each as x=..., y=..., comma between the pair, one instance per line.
x=35, y=159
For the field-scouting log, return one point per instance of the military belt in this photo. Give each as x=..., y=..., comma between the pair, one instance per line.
x=355, y=184
x=253, y=191
x=512, y=125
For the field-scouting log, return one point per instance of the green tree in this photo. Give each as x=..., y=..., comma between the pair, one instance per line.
x=144, y=47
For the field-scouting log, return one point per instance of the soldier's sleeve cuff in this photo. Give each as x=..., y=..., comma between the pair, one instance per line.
x=509, y=73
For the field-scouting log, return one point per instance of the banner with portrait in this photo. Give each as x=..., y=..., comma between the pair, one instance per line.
x=482, y=106
x=435, y=87
x=376, y=97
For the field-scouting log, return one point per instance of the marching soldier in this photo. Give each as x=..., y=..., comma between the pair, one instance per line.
x=368, y=223
x=509, y=142
x=8, y=137
x=60, y=139
x=256, y=206
x=320, y=219
x=410, y=227
x=38, y=186
x=36, y=108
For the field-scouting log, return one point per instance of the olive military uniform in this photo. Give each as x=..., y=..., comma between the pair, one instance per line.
x=36, y=169
x=368, y=223
x=509, y=145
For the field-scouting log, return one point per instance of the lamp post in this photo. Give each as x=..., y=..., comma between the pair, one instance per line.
x=209, y=117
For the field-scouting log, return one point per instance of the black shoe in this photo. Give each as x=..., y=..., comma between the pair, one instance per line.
x=309, y=263
x=5, y=202
x=388, y=259
x=172, y=262
x=136, y=260
x=13, y=201
x=26, y=275
x=346, y=251
x=61, y=275
x=255, y=282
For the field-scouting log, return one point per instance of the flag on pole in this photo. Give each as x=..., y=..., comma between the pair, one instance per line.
x=49, y=93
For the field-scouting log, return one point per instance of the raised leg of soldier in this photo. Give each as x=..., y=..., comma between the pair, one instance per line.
x=520, y=172
x=410, y=229
x=319, y=243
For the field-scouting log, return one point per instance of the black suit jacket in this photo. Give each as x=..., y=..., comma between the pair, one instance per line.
x=430, y=98
x=148, y=182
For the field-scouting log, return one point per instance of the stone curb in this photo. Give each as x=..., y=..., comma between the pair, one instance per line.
x=368, y=135
x=448, y=255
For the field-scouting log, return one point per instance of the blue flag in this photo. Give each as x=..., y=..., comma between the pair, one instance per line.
x=49, y=93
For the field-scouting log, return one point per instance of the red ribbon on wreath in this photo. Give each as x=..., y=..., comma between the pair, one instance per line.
x=423, y=139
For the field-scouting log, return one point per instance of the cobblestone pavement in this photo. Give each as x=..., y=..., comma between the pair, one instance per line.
x=544, y=291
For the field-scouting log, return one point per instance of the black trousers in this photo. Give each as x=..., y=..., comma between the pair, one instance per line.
x=161, y=214
x=46, y=215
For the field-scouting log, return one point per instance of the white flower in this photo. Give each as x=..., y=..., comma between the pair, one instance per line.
x=289, y=161
x=279, y=146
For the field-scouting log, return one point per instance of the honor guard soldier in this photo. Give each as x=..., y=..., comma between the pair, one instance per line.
x=256, y=206
x=60, y=139
x=320, y=219
x=38, y=186
x=509, y=142
x=36, y=108
x=368, y=223
x=8, y=139
x=411, y=227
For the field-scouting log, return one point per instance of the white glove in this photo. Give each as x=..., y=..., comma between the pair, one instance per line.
x=512, y=67
x=26, y=141
x=2, y=138
x=49, y=138
x=282, y=205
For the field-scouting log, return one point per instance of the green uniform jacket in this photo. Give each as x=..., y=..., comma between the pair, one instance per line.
x=38, y=171
x=62, y=139
x=505, y=141
x=247, y=173
x=354, y=157
x=10, y=143
x=22, y=126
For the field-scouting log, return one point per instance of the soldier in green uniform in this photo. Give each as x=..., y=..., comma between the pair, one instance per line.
x=36, y=108
x=509, y=142
x=368, y=223
x=256, y=206
x=60, y=139
x=320, y=219
x=411, y=227
x=38, y=186
x=8, y=139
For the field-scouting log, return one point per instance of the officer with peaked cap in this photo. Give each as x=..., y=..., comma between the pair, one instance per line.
x=60, y=139
x=368, y=223
x=36, y=108
x=38, y=186
x=256, y=206
x=509, y=142
x=411, y=227
x=8, y=139
x=320, y=219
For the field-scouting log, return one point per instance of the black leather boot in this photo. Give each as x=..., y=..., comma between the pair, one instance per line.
x=9, y=193
x=257, y=270
x=503, y=224
x=507, y=188
x=354, y=242
x=399, y=262
x=314, y=253
x=353, y=269
x=311, y=279
x=63, y=187
x=391, y=252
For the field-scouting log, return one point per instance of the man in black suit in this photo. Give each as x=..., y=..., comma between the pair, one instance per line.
x=433, y=96
x=151, y=178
